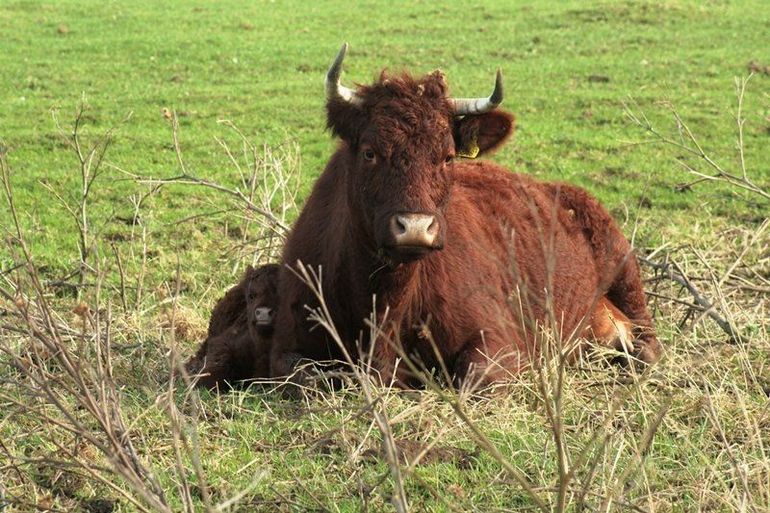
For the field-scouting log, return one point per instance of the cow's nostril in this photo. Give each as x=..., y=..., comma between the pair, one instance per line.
x=401, y=224
x=433, y=228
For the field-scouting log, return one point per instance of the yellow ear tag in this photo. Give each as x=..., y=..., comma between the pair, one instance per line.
x=471, y=152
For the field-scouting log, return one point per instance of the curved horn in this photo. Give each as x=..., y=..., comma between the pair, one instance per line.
x=333, y=87
x=480, y=105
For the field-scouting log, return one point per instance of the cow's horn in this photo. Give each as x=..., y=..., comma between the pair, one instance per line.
x=480, y=105
x=333, y=87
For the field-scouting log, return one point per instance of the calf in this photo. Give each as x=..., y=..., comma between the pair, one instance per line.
x=240, y=332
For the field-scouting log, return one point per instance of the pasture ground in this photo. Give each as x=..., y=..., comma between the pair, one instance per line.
x=245, y=84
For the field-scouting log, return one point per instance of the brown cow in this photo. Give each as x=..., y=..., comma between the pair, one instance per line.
x=459, y=252
x=240, y=332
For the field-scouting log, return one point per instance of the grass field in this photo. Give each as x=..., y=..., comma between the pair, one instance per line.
x=693, y=434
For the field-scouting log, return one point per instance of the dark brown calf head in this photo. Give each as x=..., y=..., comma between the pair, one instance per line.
x=403, y=135
x=261, y=292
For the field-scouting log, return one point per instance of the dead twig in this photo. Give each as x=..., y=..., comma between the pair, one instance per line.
x=90, y=162
x=690, y=144
x=674, y=272
x=323, y=317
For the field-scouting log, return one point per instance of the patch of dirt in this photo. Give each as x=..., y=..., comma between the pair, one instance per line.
x=234, y=232
x=619, y=172
x=116, y=237
x=326, y=446
x=410, y=450
x=758, y=68
x=628, y=12
x=598, y=79
x=129, y=220
x=63, y=289
x=98, y=505
x=645, y=202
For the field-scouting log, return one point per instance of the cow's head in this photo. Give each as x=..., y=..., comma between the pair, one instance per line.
x=403, y=135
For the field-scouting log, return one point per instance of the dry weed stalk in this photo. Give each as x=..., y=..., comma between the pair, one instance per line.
x=60, y=371
x=672, y=271
x=70, y=370
x=322, y=316
x=90, y=163
x=690, y=144
x=268, y=192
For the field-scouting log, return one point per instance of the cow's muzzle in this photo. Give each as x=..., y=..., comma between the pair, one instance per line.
x=412, y=236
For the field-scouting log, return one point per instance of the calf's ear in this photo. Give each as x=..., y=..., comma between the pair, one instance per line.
x=477, y=134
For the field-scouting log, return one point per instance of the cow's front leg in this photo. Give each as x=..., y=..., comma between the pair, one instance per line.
x=386, y=356
x=488, y=359
x=285, y=355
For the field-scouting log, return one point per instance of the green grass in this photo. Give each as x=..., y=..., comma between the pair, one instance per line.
x=569, y=69
x=261, y=66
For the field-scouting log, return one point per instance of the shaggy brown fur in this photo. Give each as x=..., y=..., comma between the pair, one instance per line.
x=240, y=332
x=507, y=245
x=616, y=264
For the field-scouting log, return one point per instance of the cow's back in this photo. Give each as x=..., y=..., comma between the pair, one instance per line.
x=508, y=242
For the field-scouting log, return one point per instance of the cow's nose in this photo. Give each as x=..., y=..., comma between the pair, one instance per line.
x=418, y=230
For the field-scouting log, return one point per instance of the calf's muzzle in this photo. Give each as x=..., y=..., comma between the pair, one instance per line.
x=263, y=316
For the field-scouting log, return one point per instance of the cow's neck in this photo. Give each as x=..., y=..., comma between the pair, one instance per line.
x=396, y=286
x=371, y=273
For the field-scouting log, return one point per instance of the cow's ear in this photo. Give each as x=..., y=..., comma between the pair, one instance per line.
x=478, y=134
x=345, y=119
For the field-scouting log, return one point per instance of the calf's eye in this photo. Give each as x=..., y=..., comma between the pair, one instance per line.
x=448, y=159
x=369, y=155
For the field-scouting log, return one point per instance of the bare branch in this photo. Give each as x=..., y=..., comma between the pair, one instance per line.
x=689, y=143
x=674, y=272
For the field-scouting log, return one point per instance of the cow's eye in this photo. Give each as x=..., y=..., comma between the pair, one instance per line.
x=369, y=155
x=449, y=158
